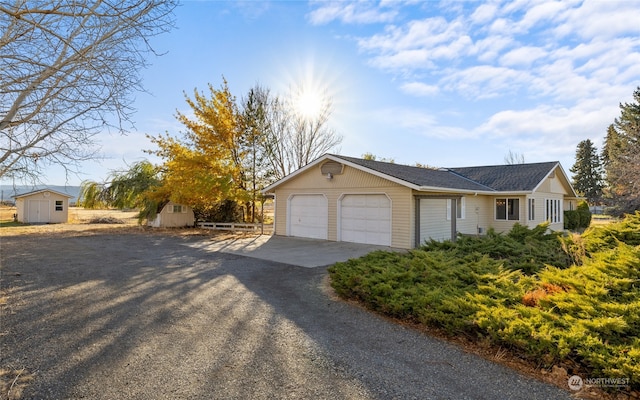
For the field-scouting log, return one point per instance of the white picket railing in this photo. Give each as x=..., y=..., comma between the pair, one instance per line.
x=235, y=226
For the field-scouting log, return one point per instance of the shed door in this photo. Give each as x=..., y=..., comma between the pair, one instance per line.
x=38, y=211
x=365, y=218
x=308, y=216
x=433, y=220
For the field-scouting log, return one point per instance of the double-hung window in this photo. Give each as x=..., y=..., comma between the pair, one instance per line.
x=508, y=209
x=553, y=210
x=532, y=209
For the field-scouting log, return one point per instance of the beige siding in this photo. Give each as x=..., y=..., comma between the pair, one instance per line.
x=553, y=188
x=351, y=181
x=433, y=220
x=168, y=219
x=477, y=214
x=41, y=208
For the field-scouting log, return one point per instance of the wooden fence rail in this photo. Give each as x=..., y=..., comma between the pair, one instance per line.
x=234, y=226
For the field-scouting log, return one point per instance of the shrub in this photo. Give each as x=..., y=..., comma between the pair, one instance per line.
x=585, y=312
x=578, y=219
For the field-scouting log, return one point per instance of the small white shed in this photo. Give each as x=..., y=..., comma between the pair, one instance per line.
x=173, y=215
x=44, y=206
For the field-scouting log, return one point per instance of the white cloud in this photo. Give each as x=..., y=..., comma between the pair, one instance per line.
x=545, y=12
x=522, y=56
x=484, y=13
x=420, y=122
x=485, y=81
x=489, y=49
x=350, y=13
x=419, y=89
x=601, y=19
x=562, y=67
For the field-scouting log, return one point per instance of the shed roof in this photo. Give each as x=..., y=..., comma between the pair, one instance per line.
x=41, y=191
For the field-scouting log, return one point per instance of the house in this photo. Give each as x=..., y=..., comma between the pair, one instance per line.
x=173, y=215
x=43, y=206
x=349, y=199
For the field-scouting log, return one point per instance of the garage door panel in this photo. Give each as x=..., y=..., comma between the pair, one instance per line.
x=308, y=216
x=365, y=218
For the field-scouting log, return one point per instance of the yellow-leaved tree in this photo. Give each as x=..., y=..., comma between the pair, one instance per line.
x=204, y=168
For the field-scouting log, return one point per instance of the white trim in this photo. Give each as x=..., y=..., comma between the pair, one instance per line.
x=41, y=191
x=555, y=169
x=506, y=198
x=462, y=207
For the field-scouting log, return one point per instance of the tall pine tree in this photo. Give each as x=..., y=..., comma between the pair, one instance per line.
x=621, y=158
x=587, y=170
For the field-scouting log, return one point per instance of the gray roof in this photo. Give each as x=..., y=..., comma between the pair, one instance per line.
x=513, y=177
x=502, y=178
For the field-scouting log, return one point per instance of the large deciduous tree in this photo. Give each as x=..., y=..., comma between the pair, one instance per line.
x=587, y=170
x=67, y=72
x=230, y=151
x=204, y=167
x=621, y=158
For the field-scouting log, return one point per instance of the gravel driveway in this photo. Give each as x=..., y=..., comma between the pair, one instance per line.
x=143, y=316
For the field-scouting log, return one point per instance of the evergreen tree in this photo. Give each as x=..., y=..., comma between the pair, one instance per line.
x=621, y=158
x=587, y=170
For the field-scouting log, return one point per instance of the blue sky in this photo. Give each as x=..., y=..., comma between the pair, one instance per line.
x=447, y=84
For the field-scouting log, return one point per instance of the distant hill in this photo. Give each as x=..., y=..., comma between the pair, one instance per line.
x=7, y=191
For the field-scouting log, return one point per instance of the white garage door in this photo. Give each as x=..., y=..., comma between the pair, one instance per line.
x=433, y=220
x=308, y=216
x=365, y=218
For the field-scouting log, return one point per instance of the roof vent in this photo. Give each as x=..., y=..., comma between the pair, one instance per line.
x=331, y=167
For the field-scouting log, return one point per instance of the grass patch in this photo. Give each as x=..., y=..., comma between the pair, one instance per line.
x=6, y=224
x=555, y=300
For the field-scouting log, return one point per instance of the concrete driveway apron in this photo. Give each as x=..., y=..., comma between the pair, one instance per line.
x=293, y=250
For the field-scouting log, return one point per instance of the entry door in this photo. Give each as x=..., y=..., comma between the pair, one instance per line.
x=38, y=211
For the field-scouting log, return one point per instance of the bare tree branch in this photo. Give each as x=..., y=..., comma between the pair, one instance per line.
x=67, y=73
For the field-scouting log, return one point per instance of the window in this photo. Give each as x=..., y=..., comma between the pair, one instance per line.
x=177, y=208
x=508, y=209
x=553, y=210
x=460, y=209
x=532, y=209
x=59, y=205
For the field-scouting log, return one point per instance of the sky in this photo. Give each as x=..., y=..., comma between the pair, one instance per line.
x=446, y=84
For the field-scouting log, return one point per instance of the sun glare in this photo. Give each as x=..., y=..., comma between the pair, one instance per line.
x=309, y=102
